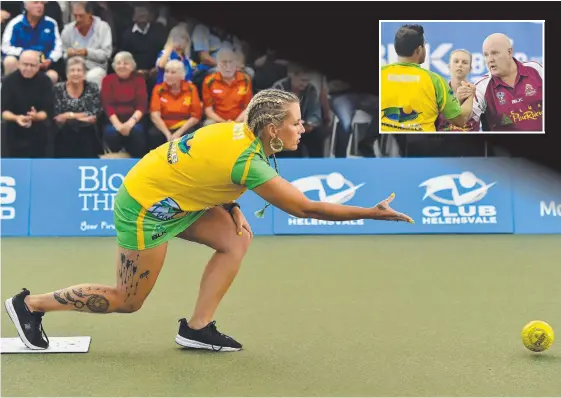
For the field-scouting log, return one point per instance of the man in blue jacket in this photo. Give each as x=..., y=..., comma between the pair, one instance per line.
x=32, y=30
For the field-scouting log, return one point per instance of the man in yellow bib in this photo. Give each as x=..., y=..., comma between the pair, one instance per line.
x=187, y=188
x=413, y=97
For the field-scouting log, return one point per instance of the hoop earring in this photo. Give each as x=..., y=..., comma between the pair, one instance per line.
x=276, y=144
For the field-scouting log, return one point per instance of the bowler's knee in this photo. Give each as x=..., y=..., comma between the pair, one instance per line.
x=239, y=244
x=10, y=64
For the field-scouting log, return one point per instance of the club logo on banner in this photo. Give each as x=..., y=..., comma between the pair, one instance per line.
x=459, y=200
x=331, y=188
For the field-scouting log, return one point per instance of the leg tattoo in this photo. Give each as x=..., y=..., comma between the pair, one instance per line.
x=128, y=274
x=96, y=303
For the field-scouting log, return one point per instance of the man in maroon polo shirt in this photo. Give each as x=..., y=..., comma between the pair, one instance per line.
x=510, y=97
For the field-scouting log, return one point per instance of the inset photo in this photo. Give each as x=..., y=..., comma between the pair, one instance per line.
x=476, y=77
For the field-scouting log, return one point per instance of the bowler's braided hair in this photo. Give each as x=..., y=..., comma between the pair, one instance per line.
x=268, y=106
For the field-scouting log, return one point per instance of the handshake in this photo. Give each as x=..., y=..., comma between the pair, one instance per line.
x=465, y=91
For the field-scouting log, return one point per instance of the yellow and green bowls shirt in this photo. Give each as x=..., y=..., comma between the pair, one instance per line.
x=413, y=97
x=212, y=166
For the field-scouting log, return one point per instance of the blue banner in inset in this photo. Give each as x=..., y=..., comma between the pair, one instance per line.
x=444, y=37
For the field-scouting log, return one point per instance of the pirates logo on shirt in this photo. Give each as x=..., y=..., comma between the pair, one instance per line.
x=187, y=101
x=242, y=91
x=530, y=90
x=501, y=97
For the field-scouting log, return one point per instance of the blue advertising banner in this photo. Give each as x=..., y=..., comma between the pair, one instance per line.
x=444, y=37
x=15, y=178
x=441, y=195
x=75, y=197
x=444, y=196
x=537, y=200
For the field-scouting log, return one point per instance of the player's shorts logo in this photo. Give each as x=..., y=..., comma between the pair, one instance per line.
x=166, y=210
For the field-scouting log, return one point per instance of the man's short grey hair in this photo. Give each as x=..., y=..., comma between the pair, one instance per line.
x=76, y=61
x=176, y=64
x=124, y=56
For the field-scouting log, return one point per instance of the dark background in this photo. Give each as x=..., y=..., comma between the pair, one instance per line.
x=341, y=40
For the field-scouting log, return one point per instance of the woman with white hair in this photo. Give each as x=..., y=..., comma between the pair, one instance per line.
x=77, y=107
x=124, y=99
x=178, y=47
x=175, y=108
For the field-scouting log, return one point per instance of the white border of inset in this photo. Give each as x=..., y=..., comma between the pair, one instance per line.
x=542, y=22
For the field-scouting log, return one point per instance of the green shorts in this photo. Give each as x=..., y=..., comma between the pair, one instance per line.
x=138, y=229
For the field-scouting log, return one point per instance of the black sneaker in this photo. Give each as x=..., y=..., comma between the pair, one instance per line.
x=208, y=338
x=28, y=324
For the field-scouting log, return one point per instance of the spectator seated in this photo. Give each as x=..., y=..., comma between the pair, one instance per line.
x=21, y=34
x=77, y=107
x=27, y=105
x=124, y=100
x=227, y=92
x=175, y=107
x=88, y=37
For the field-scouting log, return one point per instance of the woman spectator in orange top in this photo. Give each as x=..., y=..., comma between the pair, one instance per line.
x=124, y=99
x=175, y=108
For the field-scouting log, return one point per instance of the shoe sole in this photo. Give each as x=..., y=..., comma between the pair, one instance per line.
x=14, y=317
x=182, y=341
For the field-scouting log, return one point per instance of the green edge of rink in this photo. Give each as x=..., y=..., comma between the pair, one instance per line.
x=318, y=315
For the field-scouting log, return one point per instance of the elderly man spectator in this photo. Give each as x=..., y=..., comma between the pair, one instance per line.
x=27, y=104
x=77, y=107
x=124, y=99
x=144, y=40
x=299, y=82
x=510, y=98
x=227, y=92
x=88, y=37
x=175, y=108
x=32, y=30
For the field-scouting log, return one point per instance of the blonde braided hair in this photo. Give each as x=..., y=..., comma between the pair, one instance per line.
x=268, y=106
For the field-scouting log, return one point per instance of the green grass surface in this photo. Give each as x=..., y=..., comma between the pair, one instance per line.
x=318, y=316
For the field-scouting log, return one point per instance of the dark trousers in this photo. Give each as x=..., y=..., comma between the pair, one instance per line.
x=311, y=144
x=75, y=139
x=135, y=143
x=24, y=142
